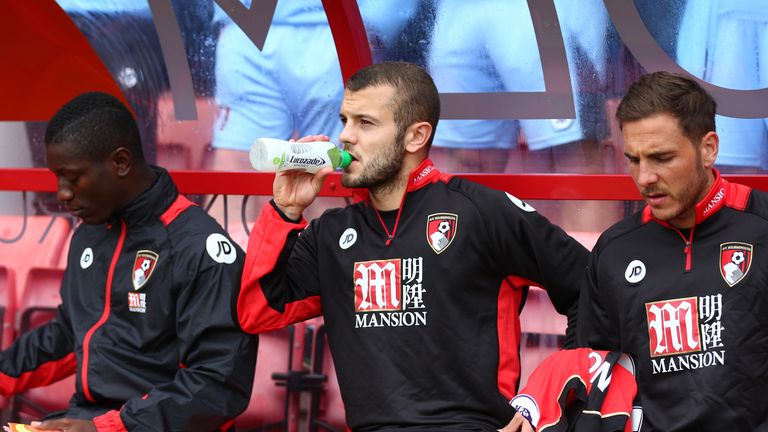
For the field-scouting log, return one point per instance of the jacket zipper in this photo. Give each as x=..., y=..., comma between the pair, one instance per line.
x=688, y=249
x=104, y=315
x=391, y=236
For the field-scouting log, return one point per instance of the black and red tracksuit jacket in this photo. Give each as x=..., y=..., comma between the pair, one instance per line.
x=147, y=322
x=421, y=304
x=691, y=306
x=581, y=390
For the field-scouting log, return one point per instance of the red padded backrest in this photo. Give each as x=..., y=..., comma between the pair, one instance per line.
x=42, y=243
x=41, y=291
x=331, y=410
x=37, y=306
x=7, y=306
x=279, y=352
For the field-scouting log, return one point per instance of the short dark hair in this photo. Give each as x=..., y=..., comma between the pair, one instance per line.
x=675, y=94
x=95, y=124
x=416, y=98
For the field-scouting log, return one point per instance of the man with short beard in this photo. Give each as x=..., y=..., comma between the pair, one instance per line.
x=421, y=282
x=681, y=284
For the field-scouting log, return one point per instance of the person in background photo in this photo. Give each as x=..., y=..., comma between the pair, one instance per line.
x=291, y=87
x=490, y=46
x=725, y=43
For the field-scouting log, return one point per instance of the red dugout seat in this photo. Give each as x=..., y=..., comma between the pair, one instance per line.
x=7, y=306
x=275, y=402
x=40, y=298
x=7, y=316
x=326, y=411
x=32, y=241
x=38, y=304
x=25, y=242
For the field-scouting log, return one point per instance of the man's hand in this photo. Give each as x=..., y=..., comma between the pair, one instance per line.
x=518, y=424
x=294, y=191
x=64, y=425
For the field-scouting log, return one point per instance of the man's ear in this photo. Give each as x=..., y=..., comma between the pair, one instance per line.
x=417, y=136
x=709, y=147
x=121, y=161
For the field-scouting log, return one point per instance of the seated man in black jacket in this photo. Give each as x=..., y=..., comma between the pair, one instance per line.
x=680, y=285
x=146, y=320
x=420, y=283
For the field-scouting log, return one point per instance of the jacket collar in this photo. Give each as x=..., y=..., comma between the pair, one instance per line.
x=718, y=194
x=424, y=174
x=151, y=203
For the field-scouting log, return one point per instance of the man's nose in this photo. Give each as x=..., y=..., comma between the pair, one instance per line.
x=646, y=175
x=64, y=191
x=347, y=136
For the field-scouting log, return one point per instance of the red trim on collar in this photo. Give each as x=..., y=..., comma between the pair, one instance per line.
x=714, y=200
x=647, y=215
x=721, y=193
x=360, y=195
x=737, y=195
x=423, y=175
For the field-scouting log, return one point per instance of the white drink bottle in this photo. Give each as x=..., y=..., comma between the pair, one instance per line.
x=270, y=155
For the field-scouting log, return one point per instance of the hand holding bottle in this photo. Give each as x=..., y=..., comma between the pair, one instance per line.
x=295, y=190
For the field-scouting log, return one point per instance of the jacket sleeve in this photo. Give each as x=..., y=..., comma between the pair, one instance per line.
x=596, y=324
x=39, y=357
x=217, y=360
x=280, y=284
x=526, y=245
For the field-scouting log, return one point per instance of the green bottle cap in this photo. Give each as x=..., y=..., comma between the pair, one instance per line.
x=346, y=159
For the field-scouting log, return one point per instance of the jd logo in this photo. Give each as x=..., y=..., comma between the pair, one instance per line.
x=348, y=238
x=220, y=249
x=86, y=259
x=635, y=272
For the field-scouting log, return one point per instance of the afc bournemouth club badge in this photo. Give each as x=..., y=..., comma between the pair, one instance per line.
x=735, y=260
x=441, y=230
x=143, y=266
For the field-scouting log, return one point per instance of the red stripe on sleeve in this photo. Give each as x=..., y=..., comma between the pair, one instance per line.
x=264, y=246
x=179, y=205
x=508, y=325
x=47, y=373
